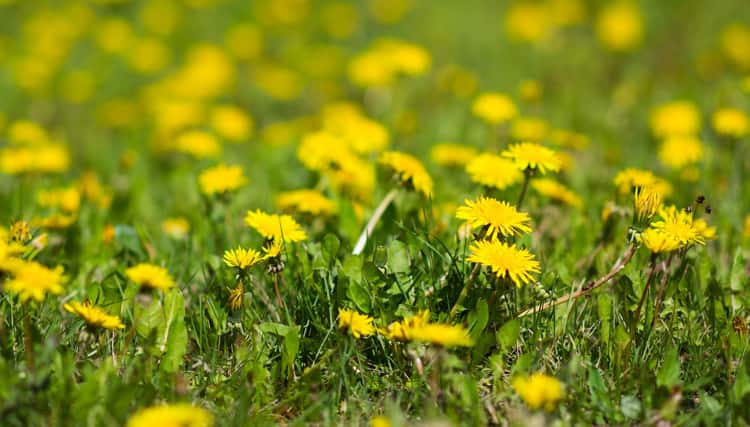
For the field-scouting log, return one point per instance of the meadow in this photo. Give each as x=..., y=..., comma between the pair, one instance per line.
x=374, y=212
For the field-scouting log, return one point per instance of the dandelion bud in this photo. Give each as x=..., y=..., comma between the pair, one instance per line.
x=700, y=199
x=708, y=209
x=647, y=203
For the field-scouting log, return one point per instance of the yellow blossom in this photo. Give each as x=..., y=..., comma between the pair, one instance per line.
x=679, y=151
x=448, y=154
x=31, y=280
x=539, y=391
x=505, y=260
x=67, y=198
x=231, y=123
x=494, y=108
x=630, y=178
x=735, y=43
x=177, y=415
x=528, y=21
x=150, y=276
x=94, y=316
x=493, y=171
x=236, y=296
x=409, y=170
x=176, y=228
x=619, y=26
x=306, y=201
x=731, y=122
x=556, y=191
x=359, y=325
x=646, y=202
x=676, y=118
x=531, y=129
x=500, y=219
x=198, y=144
x=221, y=179
x=276, y=227
x=528, y=155
x=442, y=335
x=242, y=258
x=401, y=330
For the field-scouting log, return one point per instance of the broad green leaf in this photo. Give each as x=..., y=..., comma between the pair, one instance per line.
x=398, y=257
x=669, y=373
x=172, y=334
x=508, y=334
x=359, y=296
x=478, y=319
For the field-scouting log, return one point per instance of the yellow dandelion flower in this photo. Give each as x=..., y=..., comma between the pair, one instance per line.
x=401, y=330
x=506, y=261
x=731, y=122
x=232, y=123
x=31, y=280
x=312, y=202
x=68, y=199
x=55, y=221
x=658, y=241
x=275, y=227
x=242, y=258
x=176, y=228
x=676, y=118
x=448, y=154
x=43, y=158
x=150, y=276
x=528, y=155
x=359, y=325
x=236, y=296
x=380, y=421
x=629, y=179
x=95, y=317
x=646, y=203
x=442, y=335
x=9, y=250
x=272, y=249
x=409, y=170
x=679, y=225
x=26, y=132
x=619, y=26
x=494, y=108
x=199, y=144
x=493, y=171
x=706, y=231
x=501, y=219
x=539, y=391
x=221, y=179
x=177, y=415
x=20, y=232
x=531, y=129
x=735, y=43
x=528, y=21
x=548, y=187
x=677, y=152
x=361, y=134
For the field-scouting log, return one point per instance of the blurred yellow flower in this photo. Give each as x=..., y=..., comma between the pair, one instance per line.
x=150, y=276
x=244, y=41
x=658, y=241
x=409, y=171
x=498, y=219
x=679, y=151
x=31, y=280
x=26, y=132
x=528, y=21
x=528, y=155
x=494, y=108
x=181, y=414
x=676, y=118
x=619, y=26
x=539, y=391
x=312, y=202
x=449, y=154
x=280, y=228
x=231, y=123
x=493, y=171
x=532, y=129
x=401, y=330
x=359, y=325
x=42, y=158
x=148, y=55
x=277, y=81
x=731, y=122
x=176, y=228
x=441, y=335
x=198, y=144
x=735, y=43
x=629, y=179
x=554, y=190
x=221, y=179
x=505, y=260
x=95, y=317
x=66, y=198
x=113, y=35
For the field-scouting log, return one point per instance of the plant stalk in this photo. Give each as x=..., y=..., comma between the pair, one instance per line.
x=370, y=227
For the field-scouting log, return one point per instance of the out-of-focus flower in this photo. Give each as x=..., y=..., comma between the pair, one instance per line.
x=221, y=179
x=441, y=335
x=339, y=19
x=569, y=139
x=735, y=43
x=42, y=158
x=676, y=118
x=679, y=151
x=306, y=201
x=505, y=260
x=385, y=60
x=532, y=129
x=539, y=391
x=619, y=26
x=449, y=154
x=181, y=414
x=359, y=325
x=731, y=123
x=244, y=41
x=494, y=108
x=231, y=123
x=528, y=21
x=528, y=155
x=198, y=144
x=409, y=171
x=530, y=90
x=554, y=190
x=401, y=330
x=176, y=228
x=629, y=179
x=279, y=82
x=31, y=280
x=67, y=198
x=150, y=276
x=281, y=228
x=94, y=317
x=493, y=171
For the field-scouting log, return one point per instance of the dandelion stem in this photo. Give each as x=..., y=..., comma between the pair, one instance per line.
x=379, y=211
x=619, y=265
x=524, y=187
x=28, y=344
x=649, y=279
x=465, y=290
x=662, y=286
x=276, y=288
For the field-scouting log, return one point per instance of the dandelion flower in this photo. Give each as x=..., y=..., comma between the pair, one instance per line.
x=231, y=123
x=676, y=118
x=199, y=144
x=176, y=228
x=401, y=330
x=242, y=258
x=31, y=280
x=679, y=151
x=501, y=219
x=493, y=171
x=447, y=154
x=679, y=225
x=735, y=43
x=178, y=415
x=731, y=122
x=359, y=325
x=95, y=317
x=554, y=190
x=494, y=108
x=442, y=335
x=629, y=179
x=409, y=170
x=706, y=231
x=221, y=179
x=539, y=391
x=528, y=155
x=506, y=261
x=275, y=227
x=312, y=202
x=236, y=296
x=647, y=202
x=150, y=276
x=619, y=26
x=658, y=241
x=529, y=129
